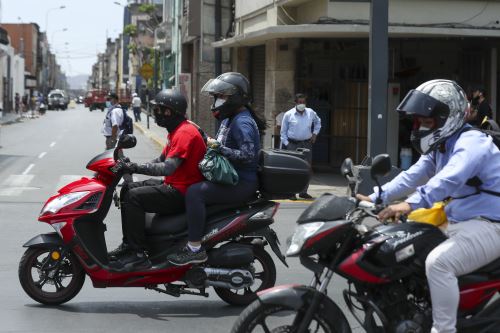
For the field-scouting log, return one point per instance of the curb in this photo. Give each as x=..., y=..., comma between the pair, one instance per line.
x=153, y=137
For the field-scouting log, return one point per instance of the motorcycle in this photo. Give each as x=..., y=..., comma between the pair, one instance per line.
x=384, y=265
x=53, y=268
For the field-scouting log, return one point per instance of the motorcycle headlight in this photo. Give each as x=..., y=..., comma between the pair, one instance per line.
x=64, y=200
x=302, y=233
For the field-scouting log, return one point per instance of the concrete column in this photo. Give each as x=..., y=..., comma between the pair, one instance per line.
x=493, y=81
x=280, y=81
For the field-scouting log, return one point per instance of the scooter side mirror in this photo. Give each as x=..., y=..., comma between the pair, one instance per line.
x=381, y=166
x=346, y=168
x=126, y=141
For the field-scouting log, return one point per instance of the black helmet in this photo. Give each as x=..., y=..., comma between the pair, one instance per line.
x=172, y=99
x=235, y=86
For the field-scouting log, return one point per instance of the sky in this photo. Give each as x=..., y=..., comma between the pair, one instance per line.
x=88, y=23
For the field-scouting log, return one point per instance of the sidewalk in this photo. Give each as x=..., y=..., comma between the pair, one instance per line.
x=9, y=118
x=320, y=182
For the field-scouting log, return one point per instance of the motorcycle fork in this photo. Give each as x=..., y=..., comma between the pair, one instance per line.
x=308, y=316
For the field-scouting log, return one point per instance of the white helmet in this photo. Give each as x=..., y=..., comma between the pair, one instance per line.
x=134, y=95
x=443, y=100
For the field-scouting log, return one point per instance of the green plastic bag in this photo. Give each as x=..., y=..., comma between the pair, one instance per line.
x=217, y=169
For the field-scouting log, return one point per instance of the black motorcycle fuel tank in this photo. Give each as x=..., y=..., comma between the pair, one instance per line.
x=404, y=244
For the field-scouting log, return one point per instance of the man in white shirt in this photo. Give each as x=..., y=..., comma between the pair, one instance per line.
x=112, y=121
x=299, y=129
x=136, y=106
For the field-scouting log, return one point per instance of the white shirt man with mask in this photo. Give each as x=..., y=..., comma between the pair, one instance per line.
x=299, y=128
x=112, y=121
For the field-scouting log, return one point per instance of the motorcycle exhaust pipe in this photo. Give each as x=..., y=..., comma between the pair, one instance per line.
x=228, y=278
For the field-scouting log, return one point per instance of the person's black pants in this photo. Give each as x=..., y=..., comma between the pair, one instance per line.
x=137, y=113
x=207, y=193
x=149, y=196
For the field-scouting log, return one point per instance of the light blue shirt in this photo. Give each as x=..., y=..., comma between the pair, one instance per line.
x=437, y=176
x=297, y=126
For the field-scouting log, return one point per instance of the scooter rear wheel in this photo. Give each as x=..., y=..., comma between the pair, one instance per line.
x=265, y=272
x=50, y=276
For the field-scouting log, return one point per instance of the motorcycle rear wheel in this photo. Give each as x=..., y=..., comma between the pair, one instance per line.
x=257, y=318
x=66, y=276
x=266, y=274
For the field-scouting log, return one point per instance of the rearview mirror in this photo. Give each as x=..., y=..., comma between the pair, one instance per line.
x=346, y=168
x=381, y=166
x=126, y=141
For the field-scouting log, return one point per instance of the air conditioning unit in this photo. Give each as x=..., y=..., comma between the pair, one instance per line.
x=163, y=37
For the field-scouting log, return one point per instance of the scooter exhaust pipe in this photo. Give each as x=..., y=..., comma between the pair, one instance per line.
x=228, y=278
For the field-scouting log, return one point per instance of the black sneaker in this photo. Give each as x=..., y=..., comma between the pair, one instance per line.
x=119, y=251
x=186, y=256
x=132, y=260
x=305, y=196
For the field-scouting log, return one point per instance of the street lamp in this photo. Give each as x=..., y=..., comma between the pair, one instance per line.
x=47, y=16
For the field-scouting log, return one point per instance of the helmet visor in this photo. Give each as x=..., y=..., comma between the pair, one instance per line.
x=422, y=105
x=219, y=87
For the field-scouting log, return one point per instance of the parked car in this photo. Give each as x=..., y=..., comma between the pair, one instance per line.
x=57, y=100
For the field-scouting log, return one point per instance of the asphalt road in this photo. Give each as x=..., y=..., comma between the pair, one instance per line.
x=40, y=155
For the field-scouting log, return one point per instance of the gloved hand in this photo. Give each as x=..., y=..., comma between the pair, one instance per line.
x=125, y=167
x=213, y=144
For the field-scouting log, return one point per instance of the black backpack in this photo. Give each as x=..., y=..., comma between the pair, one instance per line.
x=127, y=124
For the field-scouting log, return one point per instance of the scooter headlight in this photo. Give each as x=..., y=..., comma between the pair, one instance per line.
x=55, y=205
x=302, y=233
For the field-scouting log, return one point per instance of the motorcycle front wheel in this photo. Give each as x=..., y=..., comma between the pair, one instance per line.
x=259, y=317
x=50, y=276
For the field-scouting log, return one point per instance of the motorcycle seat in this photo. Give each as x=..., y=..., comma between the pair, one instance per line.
x=157, y=224
x=481, y=275
x=492, y=267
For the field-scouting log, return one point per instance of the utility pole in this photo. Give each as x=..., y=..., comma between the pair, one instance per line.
x=378, y=77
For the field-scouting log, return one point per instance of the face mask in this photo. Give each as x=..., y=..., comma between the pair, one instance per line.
x=422, y=139
x=108, y=104
x=219, y=102
x=301, y=107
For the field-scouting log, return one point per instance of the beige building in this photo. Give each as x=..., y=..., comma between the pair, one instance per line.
x=321, y=48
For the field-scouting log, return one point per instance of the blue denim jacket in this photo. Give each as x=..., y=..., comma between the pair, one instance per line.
x=240, y=143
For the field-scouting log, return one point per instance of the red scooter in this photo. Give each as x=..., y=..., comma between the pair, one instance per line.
x=53, y=268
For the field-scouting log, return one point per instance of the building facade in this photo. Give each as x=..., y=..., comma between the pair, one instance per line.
x=321, y=48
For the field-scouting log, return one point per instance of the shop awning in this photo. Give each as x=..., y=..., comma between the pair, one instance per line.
x=347, y=31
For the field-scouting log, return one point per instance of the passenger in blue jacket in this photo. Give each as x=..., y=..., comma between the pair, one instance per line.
x=451, y=155
x=238, y=139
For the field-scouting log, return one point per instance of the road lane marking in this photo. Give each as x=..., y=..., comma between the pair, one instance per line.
x=15, y=185
x=52, y=144
x=42, y=154
x=28, y=169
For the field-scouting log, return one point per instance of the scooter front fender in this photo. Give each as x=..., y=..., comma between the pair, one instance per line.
x=45, y=240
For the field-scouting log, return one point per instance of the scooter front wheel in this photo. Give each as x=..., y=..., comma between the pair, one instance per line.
x=50, y=276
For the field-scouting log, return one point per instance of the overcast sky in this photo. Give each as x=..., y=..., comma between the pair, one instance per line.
x=88, y=23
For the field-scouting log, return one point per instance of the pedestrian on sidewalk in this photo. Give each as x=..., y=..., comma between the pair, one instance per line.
x=481, y=109
x=17, y=102
x=299, y=129
x=136, y=106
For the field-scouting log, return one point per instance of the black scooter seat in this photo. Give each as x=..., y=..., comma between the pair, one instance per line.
x=483, y=274
x=173, y=224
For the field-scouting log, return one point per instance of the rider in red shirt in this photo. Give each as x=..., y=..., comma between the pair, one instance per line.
x=178, y=163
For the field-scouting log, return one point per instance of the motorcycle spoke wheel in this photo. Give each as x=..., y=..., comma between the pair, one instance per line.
x=264, y=278
x=267, y=318
x=50, y=282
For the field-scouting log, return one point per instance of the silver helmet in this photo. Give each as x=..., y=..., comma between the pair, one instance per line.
x=443, y=100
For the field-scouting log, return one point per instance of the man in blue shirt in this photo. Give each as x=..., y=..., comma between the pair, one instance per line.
x=299, y=129
x=451, y=155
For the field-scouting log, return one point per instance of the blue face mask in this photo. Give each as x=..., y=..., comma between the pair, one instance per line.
x=108, y=104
